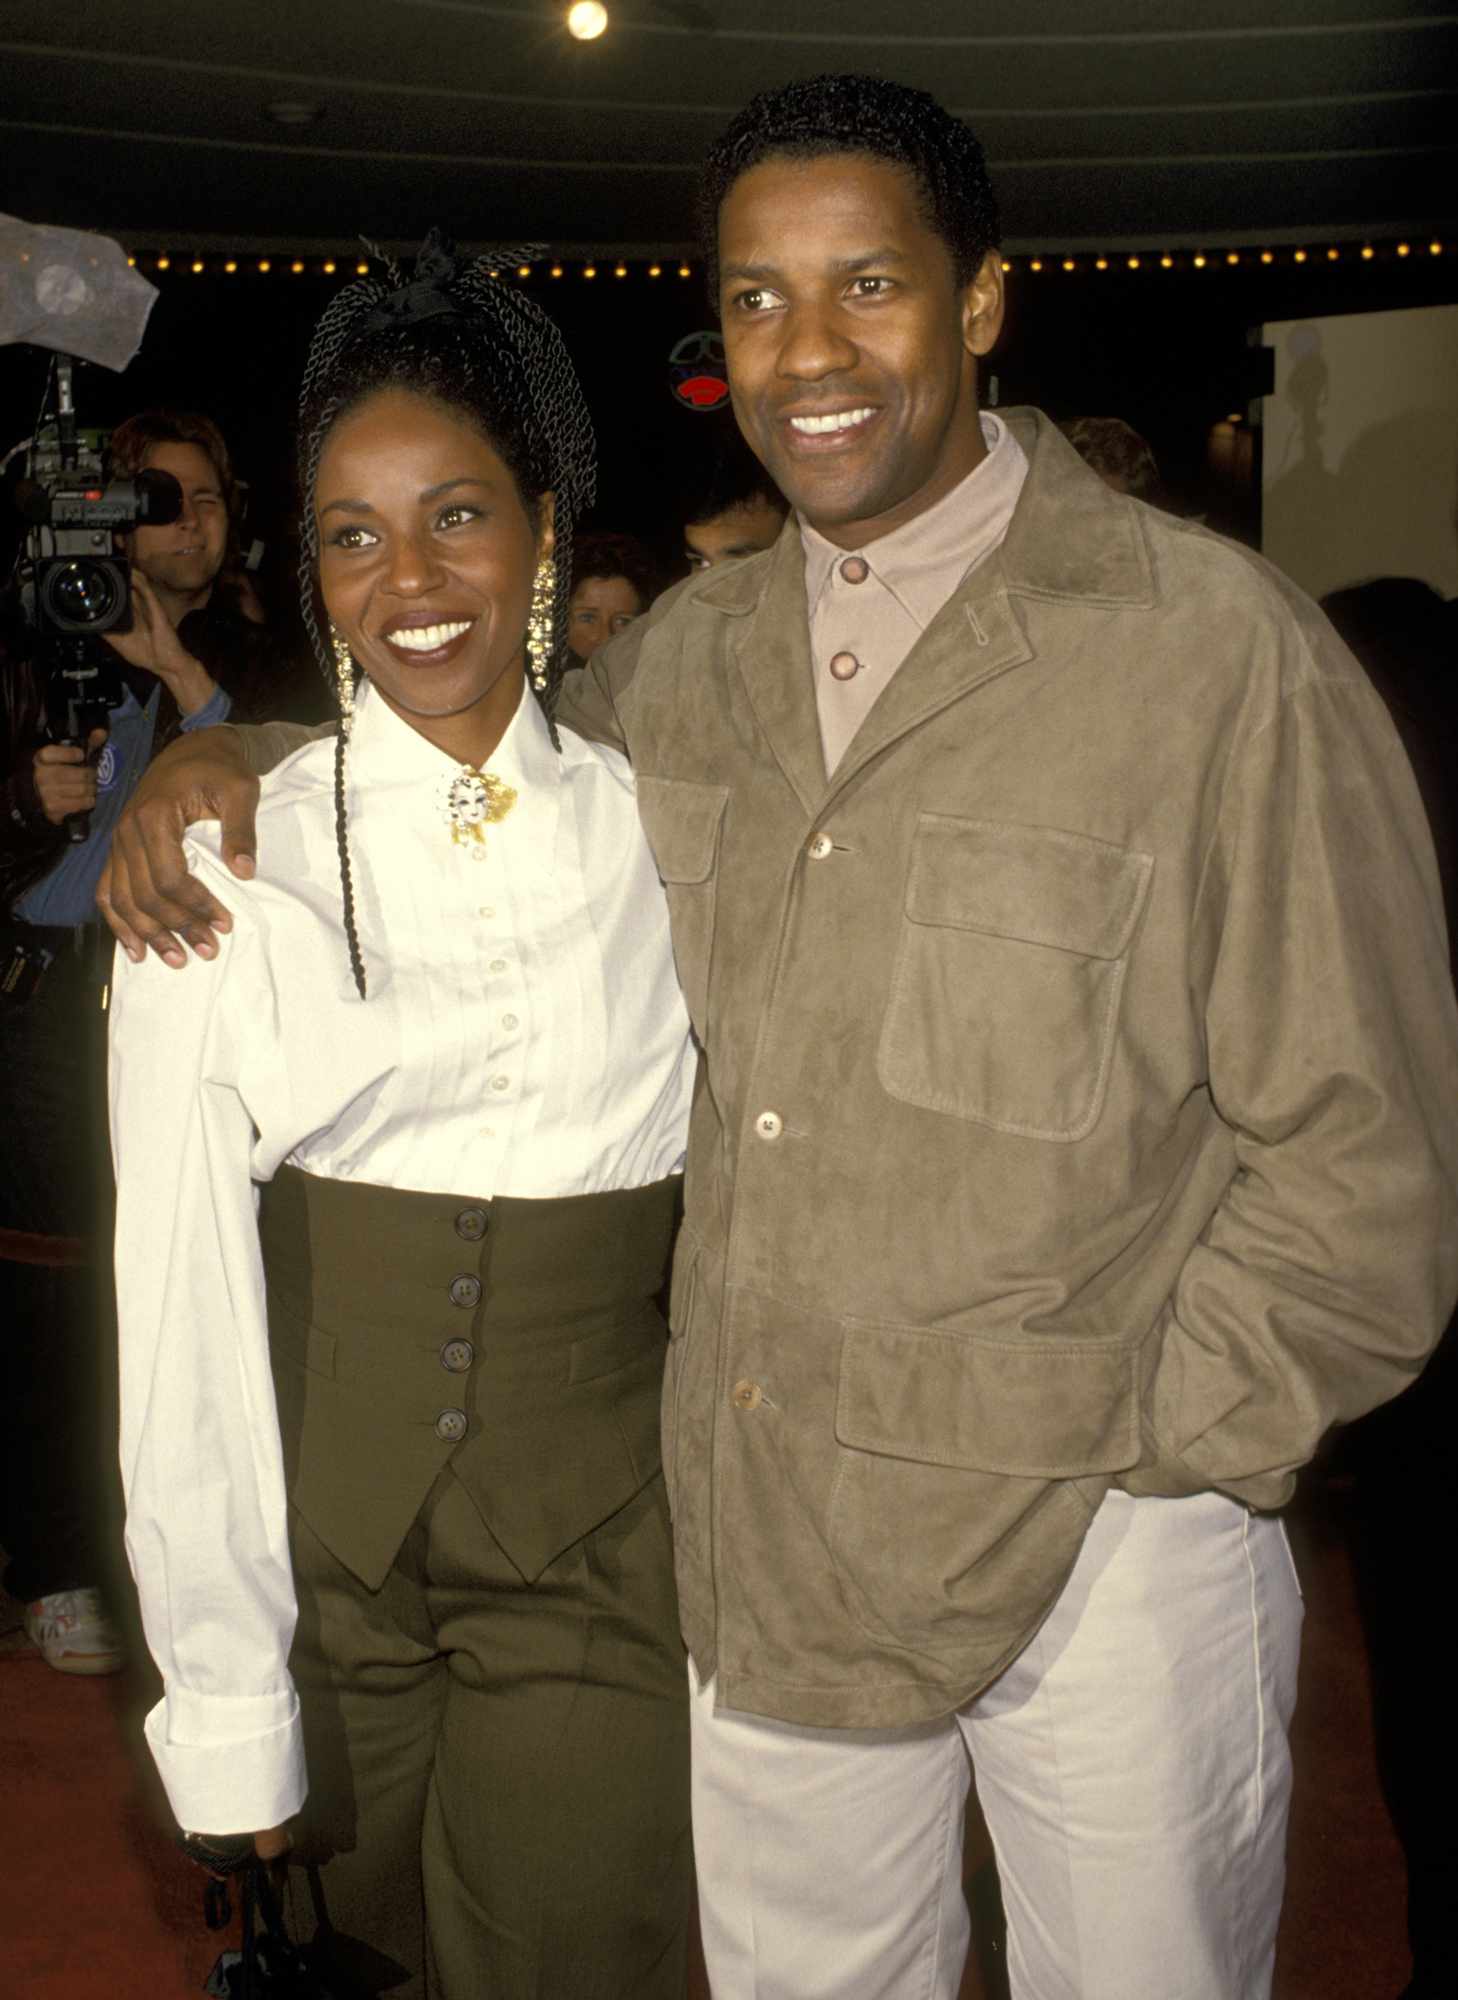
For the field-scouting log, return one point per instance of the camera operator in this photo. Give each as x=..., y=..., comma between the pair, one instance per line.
x=194, y=654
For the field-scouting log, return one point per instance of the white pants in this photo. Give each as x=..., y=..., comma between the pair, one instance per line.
x=1132, y=1766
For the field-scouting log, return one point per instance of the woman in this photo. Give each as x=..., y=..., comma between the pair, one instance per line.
x=449, y=1044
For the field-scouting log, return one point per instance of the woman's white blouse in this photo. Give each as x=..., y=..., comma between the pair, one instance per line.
x=523, y=1035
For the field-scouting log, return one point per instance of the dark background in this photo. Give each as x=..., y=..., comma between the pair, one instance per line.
x=1168, y=350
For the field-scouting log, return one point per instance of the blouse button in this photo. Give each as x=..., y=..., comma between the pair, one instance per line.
x=465, y=1291
x=844, y=666
x=451, y=1426
x=501, y=1083
x=510, y=1021
x=498, y=965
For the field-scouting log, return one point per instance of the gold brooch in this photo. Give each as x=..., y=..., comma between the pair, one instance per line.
x=473, y=801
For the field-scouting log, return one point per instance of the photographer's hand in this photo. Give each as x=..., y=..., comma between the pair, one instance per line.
x=65, y=777
x=153, y=645
x=146, y=893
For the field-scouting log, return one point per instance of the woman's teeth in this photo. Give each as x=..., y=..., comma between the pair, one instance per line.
x=838, y=420
x=426, y=638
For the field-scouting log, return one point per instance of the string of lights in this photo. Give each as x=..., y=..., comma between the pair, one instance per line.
x=1083, y=262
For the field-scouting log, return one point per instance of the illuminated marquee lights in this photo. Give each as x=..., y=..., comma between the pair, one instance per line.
x=1081, y=263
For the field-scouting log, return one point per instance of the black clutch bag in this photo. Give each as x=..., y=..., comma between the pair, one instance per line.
x=270, y=1965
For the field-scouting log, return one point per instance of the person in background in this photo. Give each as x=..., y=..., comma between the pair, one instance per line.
x=614, y=582
x=1402, y=1457
x=192, y=656
x=1119, y=455
x=737, y=510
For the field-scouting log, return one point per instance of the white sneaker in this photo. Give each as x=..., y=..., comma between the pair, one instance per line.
x=73, y=1632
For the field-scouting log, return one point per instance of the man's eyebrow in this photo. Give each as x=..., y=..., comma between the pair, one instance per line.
x=765, y=274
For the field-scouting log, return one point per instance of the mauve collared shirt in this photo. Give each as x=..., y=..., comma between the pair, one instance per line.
x=868, y=609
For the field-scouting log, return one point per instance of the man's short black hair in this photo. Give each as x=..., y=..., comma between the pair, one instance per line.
x=861, y=114
x=730, y=477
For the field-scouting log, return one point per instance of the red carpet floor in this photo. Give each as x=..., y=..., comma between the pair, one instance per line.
x=94, y=1899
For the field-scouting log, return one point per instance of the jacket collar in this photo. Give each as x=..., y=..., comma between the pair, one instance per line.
x=1070, y=538
x=1069, y=535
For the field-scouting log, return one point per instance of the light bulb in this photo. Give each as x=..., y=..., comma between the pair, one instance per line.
x=586, y=20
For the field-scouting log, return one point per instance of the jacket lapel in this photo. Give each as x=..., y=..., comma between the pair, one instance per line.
x=771, y=654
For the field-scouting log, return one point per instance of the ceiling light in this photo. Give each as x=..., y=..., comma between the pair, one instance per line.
x=586, y=20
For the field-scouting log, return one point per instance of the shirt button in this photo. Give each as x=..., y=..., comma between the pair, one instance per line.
x=844, y=666
x=457, y=1356
x=451, y=1426
x=510, y=1021
x=501, y=1083
x=769, y=1125
x=747, y=1395
x=487, y=910
x=820, y=846
x=498, y=965
x=855, y=569
x=465, y=1291
x=471, y=1224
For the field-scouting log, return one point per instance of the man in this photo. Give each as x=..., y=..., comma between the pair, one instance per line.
x=190, y=653
x=737, y=511
x=1075, y=1142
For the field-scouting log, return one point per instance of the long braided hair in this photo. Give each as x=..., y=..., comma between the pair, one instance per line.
x=460, y=335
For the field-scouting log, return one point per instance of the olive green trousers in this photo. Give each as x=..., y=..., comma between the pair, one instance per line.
x=497, y=1754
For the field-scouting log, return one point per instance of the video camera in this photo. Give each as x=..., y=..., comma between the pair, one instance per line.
x=75, y=586
x=76, y=294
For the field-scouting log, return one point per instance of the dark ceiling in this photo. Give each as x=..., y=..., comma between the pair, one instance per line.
x=1112, y=122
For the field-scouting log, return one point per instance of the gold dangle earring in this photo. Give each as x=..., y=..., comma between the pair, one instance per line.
x=539, y=623
x=343, y=676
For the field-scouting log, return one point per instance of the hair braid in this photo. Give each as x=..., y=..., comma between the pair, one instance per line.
x=346, y=874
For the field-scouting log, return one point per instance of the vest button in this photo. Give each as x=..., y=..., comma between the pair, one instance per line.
x=457, y=1356
x=451, y=1426
x=471, y=1224
x=465, y=1291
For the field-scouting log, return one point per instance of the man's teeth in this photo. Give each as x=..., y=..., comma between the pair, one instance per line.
x=425, y=638
x=838, y=420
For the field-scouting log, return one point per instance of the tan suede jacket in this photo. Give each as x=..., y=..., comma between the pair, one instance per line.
x=1080, y=1103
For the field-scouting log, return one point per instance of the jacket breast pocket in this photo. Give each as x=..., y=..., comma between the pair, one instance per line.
x=682, y=820
x=1009, y=970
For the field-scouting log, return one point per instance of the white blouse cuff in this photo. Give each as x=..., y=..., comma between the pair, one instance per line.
x=230, y=1764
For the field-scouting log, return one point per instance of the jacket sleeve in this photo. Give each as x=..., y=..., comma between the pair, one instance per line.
x=201, y=1460
x=1329, y=1268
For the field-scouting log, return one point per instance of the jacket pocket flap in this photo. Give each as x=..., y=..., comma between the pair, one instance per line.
x=681, y=819
x=1049, y=1409
x=1035, y=883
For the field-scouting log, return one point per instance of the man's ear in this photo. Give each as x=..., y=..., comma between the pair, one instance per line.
x=982, y=306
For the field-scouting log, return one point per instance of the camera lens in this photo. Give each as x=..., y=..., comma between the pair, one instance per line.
x=85, y=595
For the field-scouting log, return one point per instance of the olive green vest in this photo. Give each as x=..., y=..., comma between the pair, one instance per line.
x=518, y=1343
